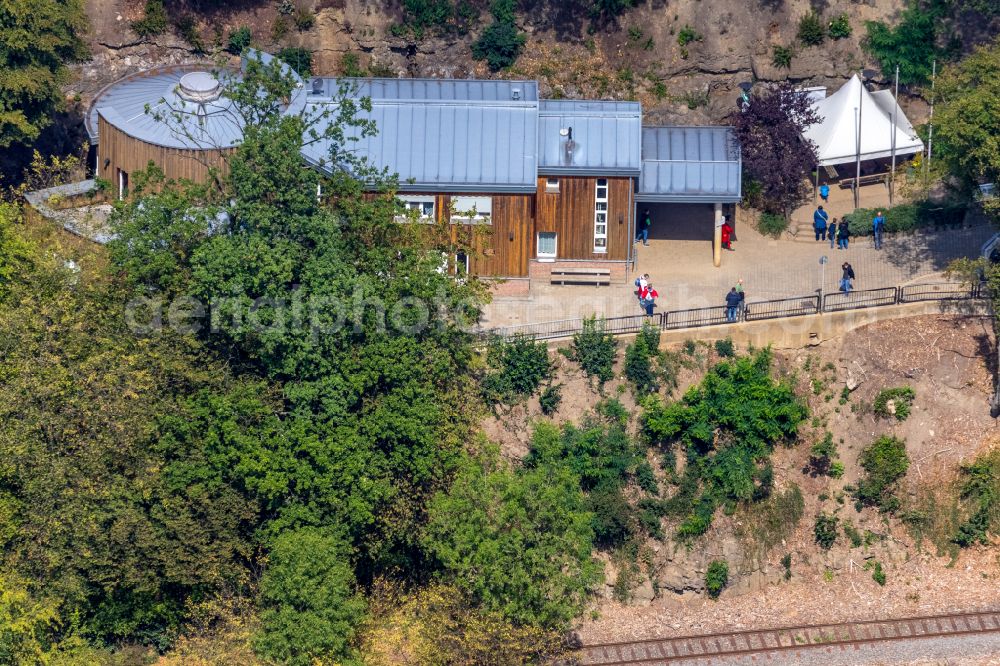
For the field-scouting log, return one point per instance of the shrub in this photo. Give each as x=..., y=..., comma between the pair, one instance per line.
x=825, y=531
x=611, y=516
x=687, y=35
x=822, y=455
x=645, y=477
x=550, y=398
x=884, y=462
x=786, y=562
x=594, y=349
x=725, y=348
x=772, y=224
x=764, y=525
x=781, y=56
x=853, y=534
x=187, y=28
x=499, y=45
x=419, y=15
x=519, y=366
x=878, y=573
x=298, y=58
x=279, y=28
x=350, y=65
x=907, y=217
x=650, y=333
x=304, y=19
x=911, y=43
x=901, y=397
x=811, y=31
x=840, y=27
x=239, y=40
x=154, y=19
x=716, y=578
x=981, y=491
x=638, y=367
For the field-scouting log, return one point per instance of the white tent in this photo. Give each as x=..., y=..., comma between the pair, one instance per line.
x=836, y=135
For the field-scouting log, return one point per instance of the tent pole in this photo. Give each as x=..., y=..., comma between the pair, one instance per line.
x=816, y=186
x=857, y=170
x=930, y=123
x=895, y=105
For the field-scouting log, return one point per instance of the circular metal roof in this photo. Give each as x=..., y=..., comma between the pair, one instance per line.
x=199, y=87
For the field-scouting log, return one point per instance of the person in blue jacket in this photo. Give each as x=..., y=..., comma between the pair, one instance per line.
x=878, y=226
x=824, y=192
x=820, y=218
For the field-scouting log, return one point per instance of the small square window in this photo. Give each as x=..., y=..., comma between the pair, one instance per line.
x=423, y=205
x=552, y=186
x=546, y=245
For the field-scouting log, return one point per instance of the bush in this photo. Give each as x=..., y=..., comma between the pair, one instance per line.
x=781, y=56
x=901, y=397
x=154, y=20
x=594, y=349
x=907, y=217
x=716, y=578
x=811, y=31
x=187, y=28
x=911, y=43
x=612, y=516
x=822, y=455
x=687, y=35
x=309, y=604
x=499, y=45
x=650, y=334
x=298, y=58
x=825, y=531
x=772, y=224
x=840, y=27
x=852, y=533
x=725, y=348
x=239, y=40
x=419, y=15
x=878, y=573
x=639, y=368
x=980, y=490
x=350, y=65
x=645, y=477
x=550, y=398
x=786, y=562
x=519, y=366
x=764, y=525
x=885, y=462
x=304, y=19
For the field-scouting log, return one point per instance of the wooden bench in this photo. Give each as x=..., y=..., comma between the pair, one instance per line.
x=593, y=276
x=871, y=179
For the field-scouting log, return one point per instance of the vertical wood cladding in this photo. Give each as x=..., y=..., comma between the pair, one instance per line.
x=502, y=247
x=570, y=214
x=118, y=150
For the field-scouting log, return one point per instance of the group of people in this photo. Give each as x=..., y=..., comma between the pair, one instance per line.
x=840, y=231
x=646, y=293
x=735, y=301
x=837, y=231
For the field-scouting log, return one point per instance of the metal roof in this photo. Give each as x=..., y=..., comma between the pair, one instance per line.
x=690, y=165
x=589, y=138
x=442, y=135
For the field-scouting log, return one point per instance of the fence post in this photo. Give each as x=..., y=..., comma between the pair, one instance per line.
x=897, y=296
x=663, y=320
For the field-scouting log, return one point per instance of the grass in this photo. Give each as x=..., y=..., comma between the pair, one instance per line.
x=764, y=525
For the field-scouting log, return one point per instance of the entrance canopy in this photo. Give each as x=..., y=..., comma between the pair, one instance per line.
x=690, y=165
x=836, y=135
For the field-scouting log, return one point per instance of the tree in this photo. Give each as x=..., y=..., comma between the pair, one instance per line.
x=310, y=607
x=910, y=44
x=501, y=42
x=517, y=542
x=777, y=159
x=36, y=39
x=967, y=118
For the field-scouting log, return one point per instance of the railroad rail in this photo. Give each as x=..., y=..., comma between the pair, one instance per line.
x=763, y=641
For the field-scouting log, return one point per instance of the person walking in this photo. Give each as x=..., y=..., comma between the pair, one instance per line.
x=831, y=231
x=641, y=283
x=733, y=301
x=645, y=222
x=824, y=193
x=878, y=226
x=846, y=277
x=649, y=299
x=727, y=234
x=820, y=218
x=843, y=235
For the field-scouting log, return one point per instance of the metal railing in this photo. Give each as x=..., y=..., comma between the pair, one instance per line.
x=757, y=311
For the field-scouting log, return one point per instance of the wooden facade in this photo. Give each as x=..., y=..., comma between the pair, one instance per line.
x=118, y=152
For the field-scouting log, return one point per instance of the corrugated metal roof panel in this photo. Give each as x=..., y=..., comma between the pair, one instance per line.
x=455, y=90
x=605, y=139
x=690, y=164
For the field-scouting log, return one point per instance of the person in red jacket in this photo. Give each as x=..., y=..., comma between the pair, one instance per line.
x=727, y=234
x=648, y=299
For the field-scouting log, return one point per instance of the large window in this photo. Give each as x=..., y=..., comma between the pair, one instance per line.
x=601, y=216
x=423, y=205
x=546, y=245
x=472, y=209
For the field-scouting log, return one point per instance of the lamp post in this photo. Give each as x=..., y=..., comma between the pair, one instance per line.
x=865, y=75
x=930, y=124
x=822, y=278
x=895, y=105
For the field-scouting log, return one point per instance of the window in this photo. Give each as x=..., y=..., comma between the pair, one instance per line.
x=423, y=205
x=546, y=245
x=552, y=186
x=601, y=216
x=461, y=264
x=122, y=184
x=472, y=209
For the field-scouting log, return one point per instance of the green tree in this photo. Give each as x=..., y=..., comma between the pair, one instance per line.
x=885, y=462
x=967, y=117
x=309, y=604
x=36, y=39
x=501, y=42
x=911, y=43
x=518, y=542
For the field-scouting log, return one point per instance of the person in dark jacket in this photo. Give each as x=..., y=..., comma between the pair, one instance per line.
x=831, y=231
x=820, y=218
x=846, y=277
x=733, y=301
x=843, y=235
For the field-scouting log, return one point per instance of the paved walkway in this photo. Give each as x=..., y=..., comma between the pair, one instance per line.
x=682, y=271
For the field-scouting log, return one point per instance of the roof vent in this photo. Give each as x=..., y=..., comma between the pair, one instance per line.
x=317, y=88
x=515, y=94
x=199, y=87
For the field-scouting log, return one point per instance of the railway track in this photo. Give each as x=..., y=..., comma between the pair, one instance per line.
x=763, y=641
